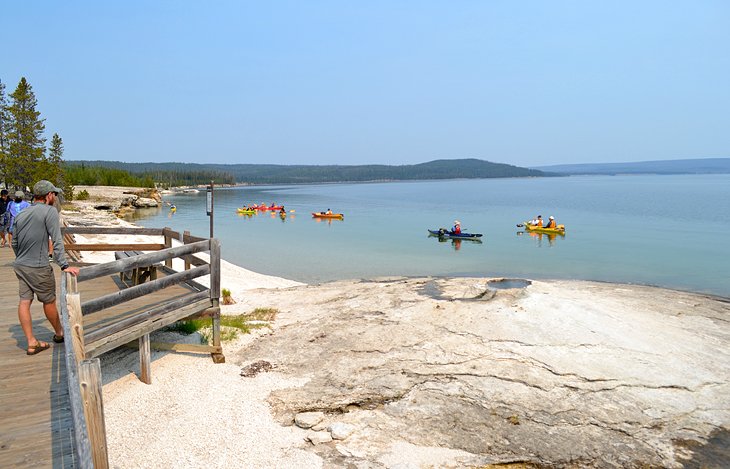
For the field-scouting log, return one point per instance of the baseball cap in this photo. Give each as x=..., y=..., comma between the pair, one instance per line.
x=19, y=194
x=43, y=187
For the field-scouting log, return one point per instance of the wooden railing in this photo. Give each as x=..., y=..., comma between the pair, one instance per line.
x=83, y=368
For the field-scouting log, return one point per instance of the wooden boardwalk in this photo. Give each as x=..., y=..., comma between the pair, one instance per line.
x=36, y=427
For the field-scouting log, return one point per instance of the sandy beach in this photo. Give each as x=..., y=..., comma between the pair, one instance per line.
x=430, y=372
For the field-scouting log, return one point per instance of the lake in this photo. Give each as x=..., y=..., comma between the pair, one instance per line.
x=670, y=231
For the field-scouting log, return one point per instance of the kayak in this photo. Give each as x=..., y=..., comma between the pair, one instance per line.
x=442, y=233
x=539, y=229
x=272, y=208
x=246, y=211
x=339, y=216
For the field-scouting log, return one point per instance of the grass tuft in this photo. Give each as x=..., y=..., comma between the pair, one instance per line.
x=231, y=326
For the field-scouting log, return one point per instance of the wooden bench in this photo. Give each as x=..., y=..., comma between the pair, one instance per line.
x=137, y=275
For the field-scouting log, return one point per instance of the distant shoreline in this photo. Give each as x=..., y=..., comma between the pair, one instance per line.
x=661, y=167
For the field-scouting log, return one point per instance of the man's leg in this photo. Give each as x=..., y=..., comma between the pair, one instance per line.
x=51, y=313
x=26, y=322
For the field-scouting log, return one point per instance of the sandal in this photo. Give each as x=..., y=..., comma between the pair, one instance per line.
x=37, y=348
x=58, y=339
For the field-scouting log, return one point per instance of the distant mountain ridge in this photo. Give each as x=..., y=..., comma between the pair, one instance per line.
x=470, y=168
x=686, y=166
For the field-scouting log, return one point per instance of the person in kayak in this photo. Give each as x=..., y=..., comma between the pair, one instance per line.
x=457, y=227
x=536, y=221
x=328, y=212
x=551, y=223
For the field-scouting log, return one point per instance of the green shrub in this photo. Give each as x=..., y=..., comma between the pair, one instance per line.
x=231, y=326
x=83, y=195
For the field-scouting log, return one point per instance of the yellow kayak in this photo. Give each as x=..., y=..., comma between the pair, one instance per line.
x=560, y=229
x=245, y=211
x=338, y=216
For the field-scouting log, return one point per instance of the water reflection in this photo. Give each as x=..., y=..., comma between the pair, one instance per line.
x=327, y=220
x=456, y=243
x=142, y=213
x=538, y=237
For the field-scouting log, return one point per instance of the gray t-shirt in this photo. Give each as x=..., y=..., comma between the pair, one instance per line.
x=33, y=226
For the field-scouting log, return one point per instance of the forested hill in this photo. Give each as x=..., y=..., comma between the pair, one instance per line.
x=698, y=166
x=301, y=174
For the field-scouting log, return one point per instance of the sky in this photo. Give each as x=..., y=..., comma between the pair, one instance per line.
x=528, y=83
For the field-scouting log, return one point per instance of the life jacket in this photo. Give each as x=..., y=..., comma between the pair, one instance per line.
x=538, y=222
x=457, y=229
x=551, y=224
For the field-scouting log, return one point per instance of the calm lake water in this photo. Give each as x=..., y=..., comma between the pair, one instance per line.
x=671, y=231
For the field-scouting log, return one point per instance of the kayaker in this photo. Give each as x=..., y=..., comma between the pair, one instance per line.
x=537, y=221
x=551, y=223
x=282, y=211
x=457, y=227
x=328, y=212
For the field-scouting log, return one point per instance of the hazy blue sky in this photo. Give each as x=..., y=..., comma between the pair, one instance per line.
x=396, y=82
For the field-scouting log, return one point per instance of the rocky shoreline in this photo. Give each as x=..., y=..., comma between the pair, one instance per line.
x=438, y=372
x=107, y=202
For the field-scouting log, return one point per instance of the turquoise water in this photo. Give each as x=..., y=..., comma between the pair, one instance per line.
x=670, y=231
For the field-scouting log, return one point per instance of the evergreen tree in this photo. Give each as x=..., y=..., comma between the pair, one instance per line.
x=4, y=126
x=26, y=144
x=54, y=173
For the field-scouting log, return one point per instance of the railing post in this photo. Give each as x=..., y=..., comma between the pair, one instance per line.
x=145, y=374
x=168, y=244
x=75, y=317
x=187, y=262
x=215, y=293
x=90, y=384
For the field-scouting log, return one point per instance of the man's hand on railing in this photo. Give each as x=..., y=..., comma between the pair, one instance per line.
x=71, y=270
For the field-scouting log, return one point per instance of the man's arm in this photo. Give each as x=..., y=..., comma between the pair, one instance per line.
x=53, y=228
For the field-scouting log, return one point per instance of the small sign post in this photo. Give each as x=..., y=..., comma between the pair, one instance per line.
x=209, y=205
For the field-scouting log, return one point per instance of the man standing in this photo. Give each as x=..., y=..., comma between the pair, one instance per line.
x=31, y=229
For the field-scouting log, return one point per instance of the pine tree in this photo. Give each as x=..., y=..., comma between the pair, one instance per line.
x=26, y=144
x=54, y=171
x=57, y=175
x=4, y=126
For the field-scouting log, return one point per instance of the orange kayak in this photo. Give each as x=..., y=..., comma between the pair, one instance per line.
x=339, y=216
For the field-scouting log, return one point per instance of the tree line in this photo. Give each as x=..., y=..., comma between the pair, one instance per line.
x=104, y=173
x=24, y=158
x=467, y=168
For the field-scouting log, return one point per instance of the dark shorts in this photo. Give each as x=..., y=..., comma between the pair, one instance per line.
x=38, y=280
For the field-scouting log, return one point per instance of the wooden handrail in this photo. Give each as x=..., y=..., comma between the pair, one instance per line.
x=115, y=247
x=84, y=375
x=83, y=451
x=122, y=265
x=107, y=301
x=147, y=314
x=111, y=230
